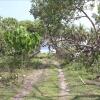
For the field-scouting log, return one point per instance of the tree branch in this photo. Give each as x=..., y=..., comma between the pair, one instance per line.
x=88, y=18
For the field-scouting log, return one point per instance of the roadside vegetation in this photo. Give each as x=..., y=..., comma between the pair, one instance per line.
x=73, y=49
x=77, y=81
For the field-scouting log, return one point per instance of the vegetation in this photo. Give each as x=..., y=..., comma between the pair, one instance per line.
x=17, y=45
x=78, y=89
x=77, y=50
x=47, y=88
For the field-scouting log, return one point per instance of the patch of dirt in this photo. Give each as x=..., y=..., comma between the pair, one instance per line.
x=29, y=81
x=64, y=91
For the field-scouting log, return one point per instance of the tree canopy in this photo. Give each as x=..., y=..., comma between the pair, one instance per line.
x=58, y=17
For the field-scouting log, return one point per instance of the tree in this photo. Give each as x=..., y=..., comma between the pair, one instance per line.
x=20, y=40
x=9, y=23
x=55, y=14
x=61, y=33
x=20, y=43
x=33, y=26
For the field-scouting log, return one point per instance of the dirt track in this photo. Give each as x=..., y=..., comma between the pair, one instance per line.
x=29, y=81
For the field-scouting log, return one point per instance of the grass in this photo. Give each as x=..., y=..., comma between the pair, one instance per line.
x=78, y=90
x=10, y=86
x=47, y=88
x=6, y=93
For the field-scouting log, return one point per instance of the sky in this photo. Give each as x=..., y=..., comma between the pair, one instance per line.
x=18, y=9
x=86, y=23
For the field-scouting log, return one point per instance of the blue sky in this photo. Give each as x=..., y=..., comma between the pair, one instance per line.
x=18, y=9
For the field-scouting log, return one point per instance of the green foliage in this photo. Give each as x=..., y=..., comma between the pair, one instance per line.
x=9, y=23
x=17, y=43
x=47, y=88
x=33, y=26
x=20, y=40
x=52, y=12
x=79, y=90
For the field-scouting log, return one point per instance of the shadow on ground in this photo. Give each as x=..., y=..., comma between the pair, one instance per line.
x=86, y=97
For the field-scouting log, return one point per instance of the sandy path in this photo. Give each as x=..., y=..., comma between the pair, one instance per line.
x=33, y=79
x=30, y=80
x=64, y=91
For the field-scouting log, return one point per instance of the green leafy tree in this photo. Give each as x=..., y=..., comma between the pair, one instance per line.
x=57, y=15
x=20, y=40
x=20, y=43
x=9, y=23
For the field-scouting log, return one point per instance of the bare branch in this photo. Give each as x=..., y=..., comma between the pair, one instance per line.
x=88, y=18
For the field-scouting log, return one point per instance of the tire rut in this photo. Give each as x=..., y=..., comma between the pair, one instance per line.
x=28, y=83
x=64, y=91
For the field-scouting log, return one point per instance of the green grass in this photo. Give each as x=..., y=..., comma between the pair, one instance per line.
x=6, y=93
x=47, y=88
x=10, y=87
x=78, y=90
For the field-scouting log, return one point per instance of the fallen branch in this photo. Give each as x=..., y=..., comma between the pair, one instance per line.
x=82, y=80
x=92, y=82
